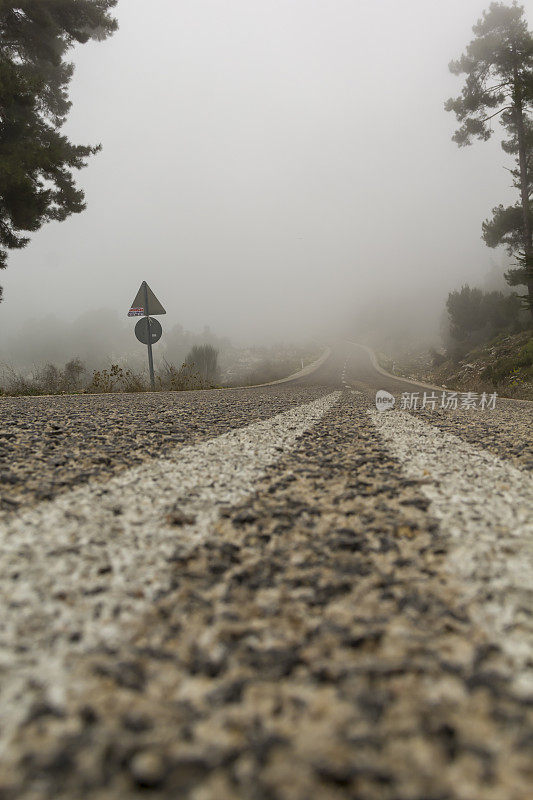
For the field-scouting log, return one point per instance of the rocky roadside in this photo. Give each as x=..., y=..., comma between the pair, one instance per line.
x=316, y=646
x=503, y=365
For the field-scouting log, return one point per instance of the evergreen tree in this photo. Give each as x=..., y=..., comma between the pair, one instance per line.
x=36, y=159
x=472, y=310
x=498, y=65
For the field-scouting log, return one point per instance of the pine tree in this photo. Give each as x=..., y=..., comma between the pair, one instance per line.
x=36, y=159
x=498, y=65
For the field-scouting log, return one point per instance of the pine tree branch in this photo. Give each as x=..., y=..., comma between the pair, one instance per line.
x=500, y=86
x=505, y=108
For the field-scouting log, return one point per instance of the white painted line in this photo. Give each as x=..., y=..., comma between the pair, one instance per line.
x=300, y=374
x=77, y=571
x=485, y=505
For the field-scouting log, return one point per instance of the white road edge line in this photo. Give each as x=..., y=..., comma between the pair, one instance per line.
x=485, y=505
x=78, y=570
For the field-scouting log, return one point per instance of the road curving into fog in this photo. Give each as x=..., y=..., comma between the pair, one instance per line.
x=270, y=592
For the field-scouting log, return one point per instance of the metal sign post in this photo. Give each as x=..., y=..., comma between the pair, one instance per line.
x=146, y=303
x=150, y=355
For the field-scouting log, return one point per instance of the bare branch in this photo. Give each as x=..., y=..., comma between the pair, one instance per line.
x=495, y=88
x=505, y=108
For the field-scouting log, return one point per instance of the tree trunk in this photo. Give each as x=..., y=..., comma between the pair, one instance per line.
x=524, y=183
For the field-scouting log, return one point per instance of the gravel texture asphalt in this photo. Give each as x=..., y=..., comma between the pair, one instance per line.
x=49, y=445
x=293, y=613
x=505, y=430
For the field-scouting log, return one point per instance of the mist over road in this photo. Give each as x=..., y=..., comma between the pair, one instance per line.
x=270, y=592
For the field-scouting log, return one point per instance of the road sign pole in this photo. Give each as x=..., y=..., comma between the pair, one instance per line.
x=150, y=355
x=146, y=303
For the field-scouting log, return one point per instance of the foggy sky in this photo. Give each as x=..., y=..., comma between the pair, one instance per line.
x=269, y=168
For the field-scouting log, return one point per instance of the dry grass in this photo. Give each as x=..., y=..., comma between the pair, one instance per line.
x=72, y=379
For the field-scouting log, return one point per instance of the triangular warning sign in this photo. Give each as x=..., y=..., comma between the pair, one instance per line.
x=145, y=303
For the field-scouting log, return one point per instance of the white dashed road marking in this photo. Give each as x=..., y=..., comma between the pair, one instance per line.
x=77, y=570
x=486, y=506
x=345, y=383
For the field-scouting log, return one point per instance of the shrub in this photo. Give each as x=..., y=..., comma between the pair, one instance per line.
x=48, y=379
x=511, y=368
x=498, y=372
x=525, y=356
x=116, y=379
x=73, y=373
x=204, y=359
x=186, y=378
x=477, y=316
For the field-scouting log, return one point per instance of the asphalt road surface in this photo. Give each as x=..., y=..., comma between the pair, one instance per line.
x=274, y=593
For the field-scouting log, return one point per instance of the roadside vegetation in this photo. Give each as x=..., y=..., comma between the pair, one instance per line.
x=199, y=371
x=73, y=378
x=498, y=70
x=488, y=335
x=488, y=344
x=503, y=364
x=37, y=160
x=48, y=379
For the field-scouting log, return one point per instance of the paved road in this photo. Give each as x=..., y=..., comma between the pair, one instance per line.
x=353, y=365
x=266, y=593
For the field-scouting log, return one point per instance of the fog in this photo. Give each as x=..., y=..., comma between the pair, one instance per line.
x=275, y=170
